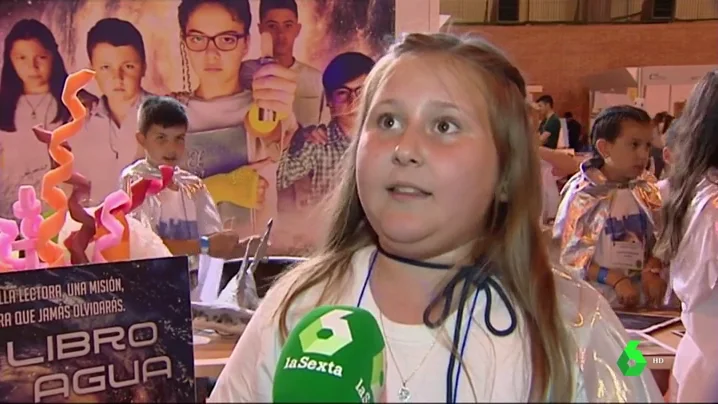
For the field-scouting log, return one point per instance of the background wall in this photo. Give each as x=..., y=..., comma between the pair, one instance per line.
x=559, y=56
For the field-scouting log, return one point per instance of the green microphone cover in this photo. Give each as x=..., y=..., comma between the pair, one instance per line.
x=334, y=354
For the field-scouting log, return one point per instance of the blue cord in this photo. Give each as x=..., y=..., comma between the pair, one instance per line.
x=372, y=261
x=463, y=345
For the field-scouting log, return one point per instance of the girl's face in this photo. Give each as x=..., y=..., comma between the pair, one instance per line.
x=427, y=164
x=215, y=43
x=628, y=155
x=33, y=64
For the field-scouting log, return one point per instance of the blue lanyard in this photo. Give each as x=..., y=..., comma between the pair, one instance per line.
x=457, y=378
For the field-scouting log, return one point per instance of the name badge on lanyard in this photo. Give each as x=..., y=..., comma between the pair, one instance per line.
x=627, y=255
x=627, y=242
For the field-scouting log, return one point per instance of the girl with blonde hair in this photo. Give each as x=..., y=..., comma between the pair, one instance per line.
x=435, y=230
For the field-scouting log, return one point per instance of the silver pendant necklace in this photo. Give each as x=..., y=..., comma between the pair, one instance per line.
x=34, y=108
x=404, y=394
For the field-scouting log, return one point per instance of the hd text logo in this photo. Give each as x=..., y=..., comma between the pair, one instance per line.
x=632, y=362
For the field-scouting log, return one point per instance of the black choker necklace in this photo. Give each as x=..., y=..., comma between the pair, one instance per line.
x=413, y=262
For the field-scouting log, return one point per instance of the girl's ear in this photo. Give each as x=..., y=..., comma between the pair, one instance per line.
x=604, y=148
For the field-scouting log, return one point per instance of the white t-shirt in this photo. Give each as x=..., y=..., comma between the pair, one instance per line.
x=622, y=242
x=185, y=217
x=625, y=223
x=217, y=143
x=218, y=113
x=24, y=160
x=103, y=149
x=174, y=215
x=499, y=367
x=35, y=109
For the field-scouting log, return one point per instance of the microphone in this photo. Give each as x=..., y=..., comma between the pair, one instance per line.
x=335, y=354
x=262, y=120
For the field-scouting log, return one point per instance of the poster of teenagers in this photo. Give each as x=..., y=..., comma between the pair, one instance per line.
x=205, y=54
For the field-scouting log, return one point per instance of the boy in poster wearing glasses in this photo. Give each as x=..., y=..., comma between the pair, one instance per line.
x=306, y=170
x=280, y=18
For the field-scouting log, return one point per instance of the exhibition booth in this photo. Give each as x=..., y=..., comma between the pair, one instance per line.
x=653, y=88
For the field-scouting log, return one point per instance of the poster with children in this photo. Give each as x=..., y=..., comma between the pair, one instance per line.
x=97, y=333
x=211, y=55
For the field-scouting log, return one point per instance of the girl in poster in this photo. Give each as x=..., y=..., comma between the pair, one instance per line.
x=31, y=82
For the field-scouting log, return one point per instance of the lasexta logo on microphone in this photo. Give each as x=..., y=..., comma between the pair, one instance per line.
x=326, y=336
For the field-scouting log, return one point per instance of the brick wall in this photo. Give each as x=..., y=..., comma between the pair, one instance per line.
x=559, y=56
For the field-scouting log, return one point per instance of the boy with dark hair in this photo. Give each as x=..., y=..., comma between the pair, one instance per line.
x=280, y=18
x=306, y=169
x=550, y=126
x=184, y=215
x=117, y=55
